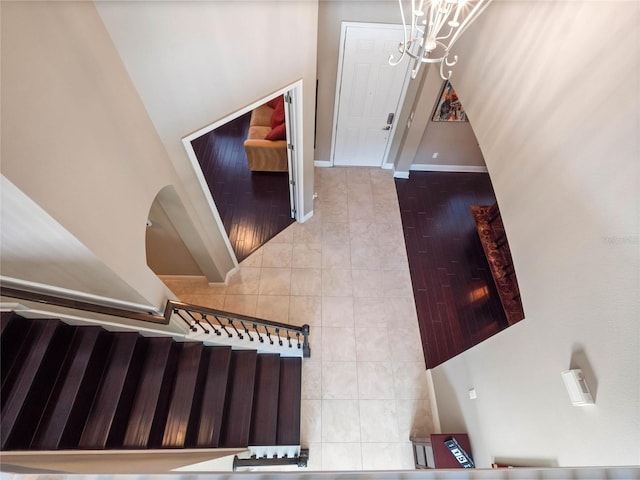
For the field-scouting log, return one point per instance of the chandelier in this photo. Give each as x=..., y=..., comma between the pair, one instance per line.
x=436, y=25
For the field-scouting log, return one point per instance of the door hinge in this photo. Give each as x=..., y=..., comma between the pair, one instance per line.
x=287, y=97
x=292, y=182
x=290, y=146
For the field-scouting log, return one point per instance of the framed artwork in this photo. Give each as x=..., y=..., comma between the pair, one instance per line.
x=448, y=108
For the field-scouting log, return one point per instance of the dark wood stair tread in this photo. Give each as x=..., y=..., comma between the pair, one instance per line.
x=15, y=331
x=182, y=397
x=264, y=422
x=238, y=405
x=143, y=419
x=289, y=401
x=24, y=403
x=207, y=422
x=107, y=419
x=64, y=416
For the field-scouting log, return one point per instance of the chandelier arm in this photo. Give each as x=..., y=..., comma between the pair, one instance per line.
x=403, y=47
x=446, y=36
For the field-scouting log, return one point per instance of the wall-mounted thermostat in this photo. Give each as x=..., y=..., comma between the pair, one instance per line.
x=577, y=387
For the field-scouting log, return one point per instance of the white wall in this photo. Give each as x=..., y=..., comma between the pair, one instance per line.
x=76, y=138
x=553, y=92
x=194, y=63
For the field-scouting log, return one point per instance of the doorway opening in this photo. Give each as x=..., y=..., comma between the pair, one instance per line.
x=252, y=201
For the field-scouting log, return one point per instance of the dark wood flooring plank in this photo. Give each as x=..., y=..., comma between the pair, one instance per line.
x=14, y=333
x=253, y=206
x=265, y=411
x=289, y=401
x=446, y=261
x=236, y=422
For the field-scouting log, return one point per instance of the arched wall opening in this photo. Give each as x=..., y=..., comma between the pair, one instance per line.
x=172, y=244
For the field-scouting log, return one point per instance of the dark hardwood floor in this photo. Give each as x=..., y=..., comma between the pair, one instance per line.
x=456, y=298
x=254, y=206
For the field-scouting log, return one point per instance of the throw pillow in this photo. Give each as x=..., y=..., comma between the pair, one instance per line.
x=277, y=133
x=277, y=117
x=273, y=103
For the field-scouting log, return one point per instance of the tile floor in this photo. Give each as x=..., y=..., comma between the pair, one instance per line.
x=345, y=273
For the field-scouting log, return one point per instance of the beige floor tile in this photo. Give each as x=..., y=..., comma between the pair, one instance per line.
x=277, y=255
x=245, y=281
x=241, y=304
x=383, y=456
x=306, y=281
x=378, y=421
x=361, y=212
x=211, y=301
x=389, y=234
x=337, y=282
x=372, y=344
x=340, y=421
x=335, y=233
x=315, y=343
x=357, y=176
x=285, y=236
x=393, y=256
x=308, y=232
x=362, y=233
x=253, y=260
x=370, y=312
x=396, y=283
x=341, y=456
x=336, y=256
x=304, y=308
x=338, y=344
x=273, y=307
x=414, y=418
x=335, y=212
x=401, y=313
x=311, y=380
x=337, y=311
x=365, y=256
x=407, y=345
x=315, y=456
x=375, y=381
x=409, y=380
x=310, y=421
x=307, y=255
x=339, y=381
x=275, y=281
x=366, y=283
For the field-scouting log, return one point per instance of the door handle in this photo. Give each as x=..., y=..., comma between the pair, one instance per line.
x=388, y=127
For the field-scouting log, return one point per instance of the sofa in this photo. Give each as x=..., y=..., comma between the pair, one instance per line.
x=266, y=144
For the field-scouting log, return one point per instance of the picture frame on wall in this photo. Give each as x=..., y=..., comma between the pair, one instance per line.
x=449, y=108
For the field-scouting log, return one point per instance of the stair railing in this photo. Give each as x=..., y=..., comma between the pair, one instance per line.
x=243, y=330
x=252, y=331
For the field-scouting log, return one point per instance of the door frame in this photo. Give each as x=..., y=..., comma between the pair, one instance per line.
x=293, y=115
x=336, y=107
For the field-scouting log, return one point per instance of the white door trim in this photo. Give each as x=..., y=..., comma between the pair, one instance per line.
x=336, y=107
x=296, y=108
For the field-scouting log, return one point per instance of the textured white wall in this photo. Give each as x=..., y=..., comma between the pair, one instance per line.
x=553, y=91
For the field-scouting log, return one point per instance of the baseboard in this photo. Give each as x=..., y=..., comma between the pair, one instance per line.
x=322, y=163
x=425, y=167
x=387, y=166
x=306, y=217
x=230, y=274
x=400, y=174
x=431, y=393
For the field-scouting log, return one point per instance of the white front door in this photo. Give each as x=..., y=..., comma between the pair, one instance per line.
x=369, y=93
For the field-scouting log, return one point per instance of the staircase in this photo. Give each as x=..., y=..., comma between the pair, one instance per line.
x=67, y=387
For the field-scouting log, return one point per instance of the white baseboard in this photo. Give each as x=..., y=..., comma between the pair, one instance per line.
x=431, y=394
x=230, y=274
x=425, y=167
x=387, y=166
x=306, y=217
x=322, y=163
x=400, y=174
